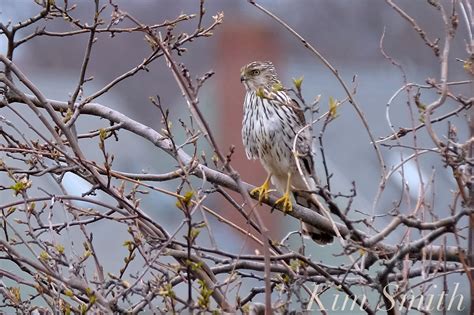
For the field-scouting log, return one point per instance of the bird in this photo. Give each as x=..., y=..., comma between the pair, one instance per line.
x=272, y=123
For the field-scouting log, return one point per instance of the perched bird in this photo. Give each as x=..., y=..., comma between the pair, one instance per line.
x=272, y=121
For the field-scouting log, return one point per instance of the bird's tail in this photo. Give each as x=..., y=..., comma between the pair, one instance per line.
x=305, y=199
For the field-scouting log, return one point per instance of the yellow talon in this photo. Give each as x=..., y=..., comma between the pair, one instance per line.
x=285, y=200
x=285, y=203
x=263, y=191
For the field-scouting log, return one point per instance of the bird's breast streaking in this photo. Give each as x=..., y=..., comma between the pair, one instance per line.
x=274, y=132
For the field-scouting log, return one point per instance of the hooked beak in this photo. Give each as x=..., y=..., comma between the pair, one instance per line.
x=242, y=78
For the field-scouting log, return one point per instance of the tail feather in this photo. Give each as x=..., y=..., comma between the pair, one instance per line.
x=320, y=237
x=317, y=235
x=305, y=199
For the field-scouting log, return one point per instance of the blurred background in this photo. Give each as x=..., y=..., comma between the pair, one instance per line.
x=347, y=33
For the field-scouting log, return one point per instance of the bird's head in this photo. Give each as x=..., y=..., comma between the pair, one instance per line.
x=258, y=75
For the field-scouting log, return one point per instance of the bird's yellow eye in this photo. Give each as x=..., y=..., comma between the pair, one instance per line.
x=255, y=72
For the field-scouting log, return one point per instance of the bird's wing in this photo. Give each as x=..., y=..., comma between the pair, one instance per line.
x=295, y=106
x=304, y=141
x=303, y=145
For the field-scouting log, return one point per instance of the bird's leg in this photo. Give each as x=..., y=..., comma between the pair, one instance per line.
x=262, y=191
x=285, y=200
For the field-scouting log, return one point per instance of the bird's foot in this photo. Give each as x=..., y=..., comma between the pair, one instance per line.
x=285, y=203
x=262, y=192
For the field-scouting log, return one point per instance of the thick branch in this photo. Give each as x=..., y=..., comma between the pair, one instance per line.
x=216, y=177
